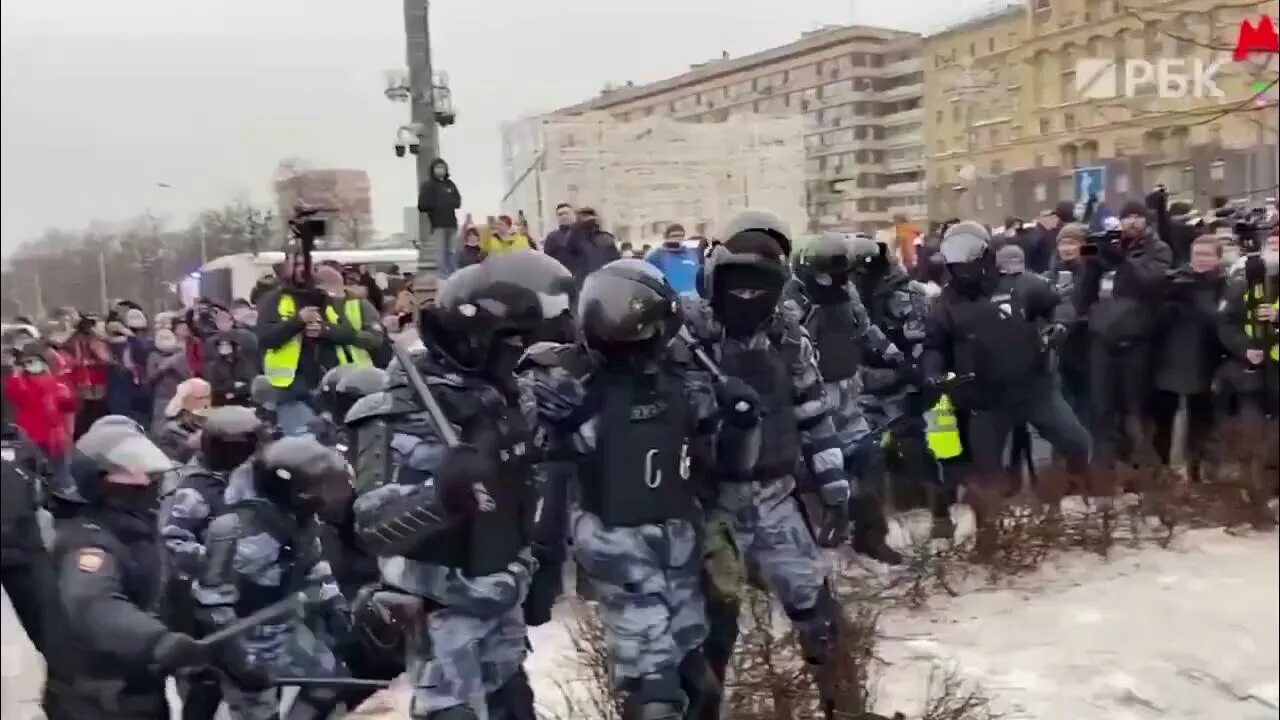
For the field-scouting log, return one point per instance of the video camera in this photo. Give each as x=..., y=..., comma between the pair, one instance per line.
x=307, y=224
x=1250, y=225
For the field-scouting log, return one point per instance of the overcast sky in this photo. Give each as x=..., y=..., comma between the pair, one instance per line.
x=103, y=100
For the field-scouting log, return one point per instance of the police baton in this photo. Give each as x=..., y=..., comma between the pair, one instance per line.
x=326, y=682
x=708, y=364
x=442, y=425
x=271, y=612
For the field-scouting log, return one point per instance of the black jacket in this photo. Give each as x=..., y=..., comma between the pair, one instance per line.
x=24, y=466
x=583, y=250
x=995, y=337
x=439, y=199
x=1120, y=289
x=230, y=377
x=1188, y=351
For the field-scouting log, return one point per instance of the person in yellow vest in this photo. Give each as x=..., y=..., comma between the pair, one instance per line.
x=305, y=332
x=504, y=237
x=1248, y=328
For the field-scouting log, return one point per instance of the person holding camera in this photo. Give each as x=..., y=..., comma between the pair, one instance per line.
x=1119, y=293
x=1250, y=383
x=1188, y=352
x=307, y=327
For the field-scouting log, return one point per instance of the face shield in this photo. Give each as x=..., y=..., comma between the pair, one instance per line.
x=126, y=457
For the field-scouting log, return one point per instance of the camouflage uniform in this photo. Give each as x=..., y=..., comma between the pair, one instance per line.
x=898, y=306
x=474, y=628
x=646, y=577
x=186, y=514
x=766, y=521
x=262, y=567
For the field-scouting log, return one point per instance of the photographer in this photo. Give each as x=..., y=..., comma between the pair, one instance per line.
x=1187, y=351
x=1119, y=294
x=1247, y=327
x=305, y=331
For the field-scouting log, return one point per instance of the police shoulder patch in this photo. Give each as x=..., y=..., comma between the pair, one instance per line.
x=90, y=560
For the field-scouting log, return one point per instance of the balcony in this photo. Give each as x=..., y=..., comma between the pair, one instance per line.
x=902, y=164
x=912, y=139
x=905, y=188
x=904, y=116
x=903, y=91
x=848, y=191
x=850, y=146
x=913, y=212
x=902, y=67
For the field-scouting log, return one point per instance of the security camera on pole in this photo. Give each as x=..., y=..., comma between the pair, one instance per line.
x=430, y=105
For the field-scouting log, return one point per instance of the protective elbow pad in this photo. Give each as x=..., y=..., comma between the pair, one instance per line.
x=402, y=524
x=220, y=551
x=371, y=456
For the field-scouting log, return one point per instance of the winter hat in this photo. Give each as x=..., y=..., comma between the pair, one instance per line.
x=1010, y=260
x=1133, y=207
x=135, y=320
x=1066, y=211
x=165, y=341
x=755, y=242
x=1073, y=231
x=192, y=395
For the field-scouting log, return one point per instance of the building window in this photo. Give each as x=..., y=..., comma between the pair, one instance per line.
x=955, y=113
x=1044, y=126
x=1069, y=121
x=991, y=44
x=1042, y=5
x=937, y=117
x=997, y=167
x=995, y=136
x=973, y=49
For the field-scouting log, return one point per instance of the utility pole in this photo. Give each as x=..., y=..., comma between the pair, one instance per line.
x=417, y=33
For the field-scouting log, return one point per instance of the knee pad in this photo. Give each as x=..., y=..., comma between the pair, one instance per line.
x=816, y=628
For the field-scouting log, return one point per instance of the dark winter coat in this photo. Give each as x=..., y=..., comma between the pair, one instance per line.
x=1136, y=275
x=585, y=249
x=439, y=198
x=1188, y=351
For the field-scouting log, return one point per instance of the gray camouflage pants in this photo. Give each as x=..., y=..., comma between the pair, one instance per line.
x=470, y=658
x=291, y=650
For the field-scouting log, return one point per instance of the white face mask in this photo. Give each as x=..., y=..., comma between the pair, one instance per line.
x=35, y=367
x=226, y=349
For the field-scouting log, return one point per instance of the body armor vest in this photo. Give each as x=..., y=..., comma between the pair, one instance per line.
x=297, y=543
x=767, y=373
x=638, y=473
x=18, y=499
x=493, y=538
x=834, y=335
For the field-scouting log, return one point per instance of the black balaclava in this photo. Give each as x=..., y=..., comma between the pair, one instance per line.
x=969, y=279
x=745, y=296
x=828, y=288
x=868, y=274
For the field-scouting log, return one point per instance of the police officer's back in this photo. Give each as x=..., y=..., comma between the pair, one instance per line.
x=110, y=654
x=22, y=552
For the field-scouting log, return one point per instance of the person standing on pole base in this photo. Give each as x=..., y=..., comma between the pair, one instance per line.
x=439, y=200
x=758, y=521
x=449, y=510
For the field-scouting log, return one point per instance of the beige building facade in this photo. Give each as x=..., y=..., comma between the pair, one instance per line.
x=1008, y=122
x=858, y=91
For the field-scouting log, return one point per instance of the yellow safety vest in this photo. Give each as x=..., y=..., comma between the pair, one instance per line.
x=1251, y=325
x=280, y=365
x=941, y=431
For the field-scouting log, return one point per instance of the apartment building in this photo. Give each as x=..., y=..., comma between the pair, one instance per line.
x=859, y=92
x=1006, y=123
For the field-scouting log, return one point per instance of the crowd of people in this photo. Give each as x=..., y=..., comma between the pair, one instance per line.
x=337, y=500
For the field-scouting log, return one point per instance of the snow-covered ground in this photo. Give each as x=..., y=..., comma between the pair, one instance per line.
x=1189, y=632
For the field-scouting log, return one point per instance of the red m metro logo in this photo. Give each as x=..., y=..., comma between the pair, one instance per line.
x=1259, y=38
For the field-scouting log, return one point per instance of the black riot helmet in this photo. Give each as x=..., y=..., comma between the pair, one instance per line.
x=965, y=250
x=484, y=314
x=358, y=383
x=327, y=393
x=231, y=436
x=743, y=288
x=825, y=267
x=301, y=475
x=869, y=258
x=118, y=466
x=761, y=223
x=263, y=394
x=627, y=311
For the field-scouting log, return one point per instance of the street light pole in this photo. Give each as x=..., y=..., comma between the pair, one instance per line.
x=417, y=34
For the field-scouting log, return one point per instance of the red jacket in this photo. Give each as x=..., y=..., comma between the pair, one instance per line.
x=40, y=407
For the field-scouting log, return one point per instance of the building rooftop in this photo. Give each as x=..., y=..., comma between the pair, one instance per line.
x=701, y=72
x=982, y=20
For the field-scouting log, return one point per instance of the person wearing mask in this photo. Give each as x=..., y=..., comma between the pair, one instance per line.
x=90, y=369
x=504, y=238
x=40, y=401
x=229, y=369
x=166, y=368
x=110, y=656
x=184, y=419
x=470, y=251
x=227, y=327
x=439, y=200
x=126, y=390
x=1187, y=352
x=304, y=331
x=678, y=263
x=586, y=247
x=555, y=242
x=1073, y=353
x=996, y=330
x=1119, y=293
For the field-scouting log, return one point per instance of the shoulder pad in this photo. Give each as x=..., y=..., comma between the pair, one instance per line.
x=379, y=404
x=698, y=317
x=544, y=354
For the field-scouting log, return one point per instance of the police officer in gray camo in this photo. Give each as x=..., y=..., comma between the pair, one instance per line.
x=452, y=525
x=231, y=436
x=637, y=420
x=262, y=550
x=821, y=297
x=892, y=398
x=742, y=327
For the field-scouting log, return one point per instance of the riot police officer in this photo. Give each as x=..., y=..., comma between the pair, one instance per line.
x=891, y=395
x=110, y=655
x=998, y=330
x=742, y=328
x=231, y=436
x=264, y=550
x=23, y=560
x=823, y=299
x=453, y=523
x=640, y=421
